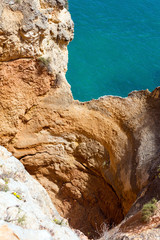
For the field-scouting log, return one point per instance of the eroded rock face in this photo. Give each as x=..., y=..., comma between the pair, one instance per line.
x=25, y=207
x=134, y=228
x=71, y=172
x=93, y=158
x=35, y=28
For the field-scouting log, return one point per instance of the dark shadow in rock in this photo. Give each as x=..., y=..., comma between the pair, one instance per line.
x=91, y=204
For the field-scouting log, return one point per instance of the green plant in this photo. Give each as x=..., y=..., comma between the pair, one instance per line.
x=45, y=63
x=158, y=171
x=21, y=220
x=59, y=222
x=6, y=180
x=148, y=210
x=18, y=1
x=4, y=187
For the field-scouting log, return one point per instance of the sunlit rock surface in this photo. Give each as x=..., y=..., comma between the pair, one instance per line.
x=93, y=158
x=25, y=203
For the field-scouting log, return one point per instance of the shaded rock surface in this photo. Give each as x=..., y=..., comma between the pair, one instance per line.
x=93, y=158
x=134, y=228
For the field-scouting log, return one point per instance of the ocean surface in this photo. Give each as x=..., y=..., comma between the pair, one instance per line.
x=116, y=48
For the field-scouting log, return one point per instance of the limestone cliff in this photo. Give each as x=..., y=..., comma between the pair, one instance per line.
x=93, y=158
x=25, y=203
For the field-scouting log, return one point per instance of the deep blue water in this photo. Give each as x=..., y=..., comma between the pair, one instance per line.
x=116, y=48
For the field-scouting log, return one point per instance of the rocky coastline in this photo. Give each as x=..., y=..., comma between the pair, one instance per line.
x=99, y=161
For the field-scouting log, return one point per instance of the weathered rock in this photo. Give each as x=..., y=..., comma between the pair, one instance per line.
x=133, y=228
x=93, y=158
x=94, y=175
x=7, y=234
x=14, y=232
x=31, y=29
x=24, y=202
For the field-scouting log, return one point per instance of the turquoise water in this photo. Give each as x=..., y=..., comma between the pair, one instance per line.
x=116, y=48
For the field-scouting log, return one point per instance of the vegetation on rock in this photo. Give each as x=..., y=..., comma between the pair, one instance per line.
x=148, y=210
x=45, y=63
x=4, y=187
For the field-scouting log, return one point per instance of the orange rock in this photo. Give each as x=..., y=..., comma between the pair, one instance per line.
x=7, y=234
x=94, y=157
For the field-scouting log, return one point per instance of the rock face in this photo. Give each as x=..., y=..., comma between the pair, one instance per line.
x=24, y=202
x=34, y=28
x=93, y=158
x=134, y=228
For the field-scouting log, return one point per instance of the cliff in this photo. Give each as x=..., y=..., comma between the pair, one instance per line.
x=95, y=159
x=25, y=207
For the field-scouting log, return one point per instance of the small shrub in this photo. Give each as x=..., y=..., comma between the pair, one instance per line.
x=6, y=180
x=148, y=210
x=59, y=222
x=4, y=187
x=158, y=171
x=18, y=1
x=45, y=63
x=21, y=220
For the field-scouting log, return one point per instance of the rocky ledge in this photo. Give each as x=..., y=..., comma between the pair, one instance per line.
x=99, y=160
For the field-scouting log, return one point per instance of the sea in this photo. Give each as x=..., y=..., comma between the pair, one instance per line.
x=116, y=47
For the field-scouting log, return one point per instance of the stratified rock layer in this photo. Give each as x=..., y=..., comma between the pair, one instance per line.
x=93, y=158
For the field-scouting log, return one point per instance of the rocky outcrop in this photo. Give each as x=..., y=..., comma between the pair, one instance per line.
x=34, y=28
x=134, y=228
x=35, y=34
x=93, y=158
x=25, y=203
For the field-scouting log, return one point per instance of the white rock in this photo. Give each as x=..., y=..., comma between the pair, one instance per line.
x=27, y=204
